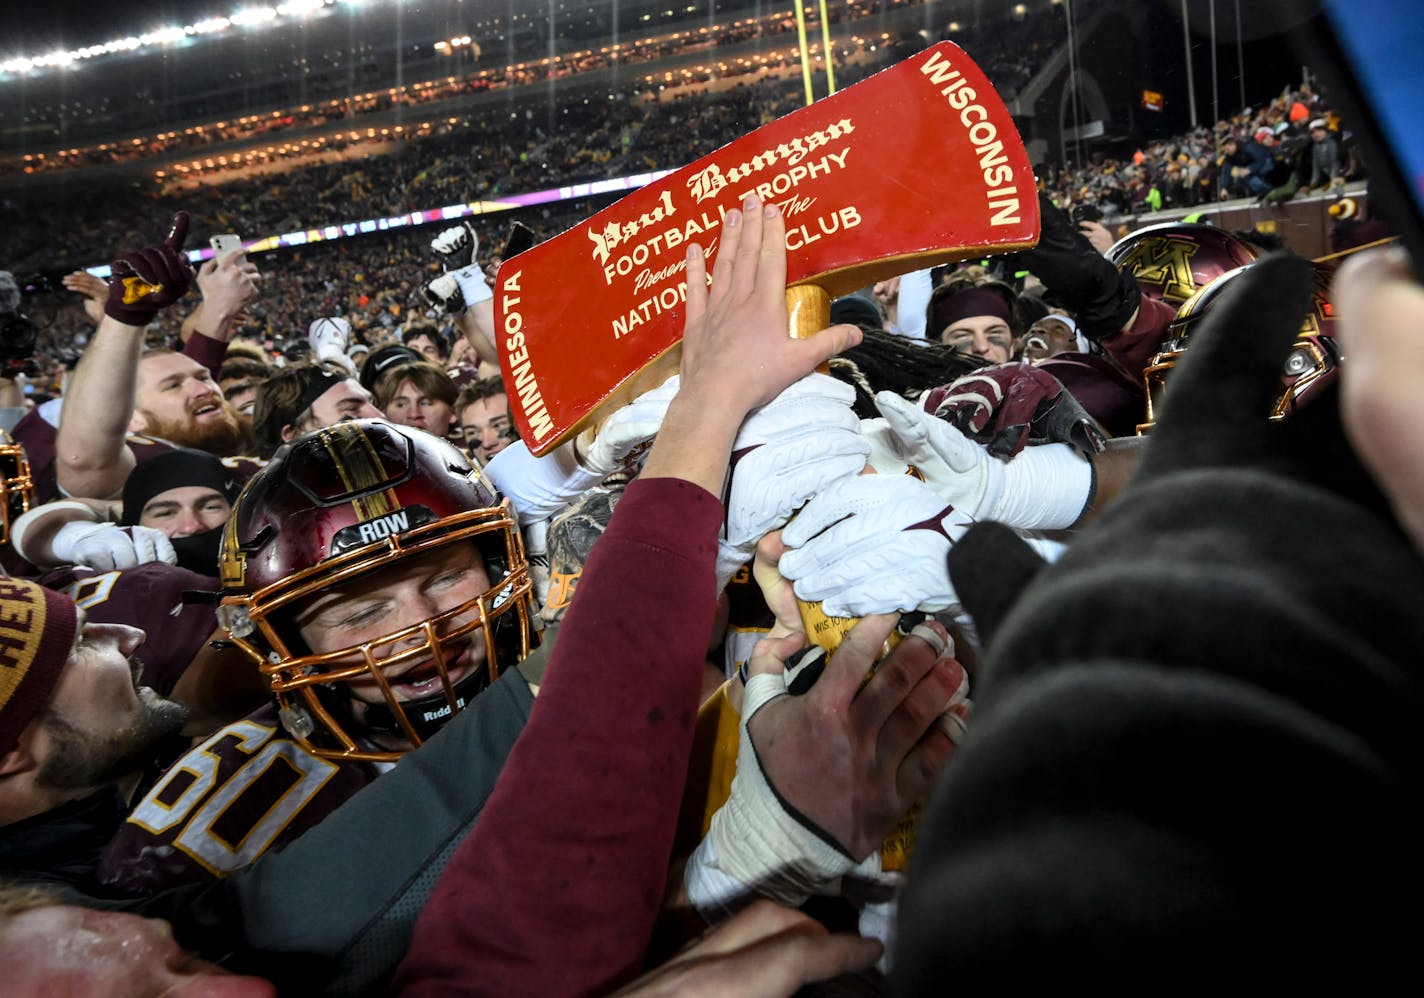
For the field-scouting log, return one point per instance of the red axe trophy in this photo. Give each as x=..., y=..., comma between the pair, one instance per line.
x=915, y=166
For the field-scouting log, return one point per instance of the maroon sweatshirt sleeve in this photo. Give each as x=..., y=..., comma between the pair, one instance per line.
x=206, y=351
x=1135, y=345
x=556, y=890
x=38, y=437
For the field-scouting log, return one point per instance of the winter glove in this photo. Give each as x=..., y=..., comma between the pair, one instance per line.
x=147, y=280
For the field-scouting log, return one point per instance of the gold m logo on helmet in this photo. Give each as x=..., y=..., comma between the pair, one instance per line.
x=136, y=289
x=1164, y=263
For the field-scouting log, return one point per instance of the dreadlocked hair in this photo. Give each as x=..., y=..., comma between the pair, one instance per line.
x=884, y=362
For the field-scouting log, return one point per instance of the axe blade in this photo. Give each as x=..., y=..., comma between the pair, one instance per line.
x=913, y=167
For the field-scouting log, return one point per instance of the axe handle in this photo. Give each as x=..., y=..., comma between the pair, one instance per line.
x=809, y=309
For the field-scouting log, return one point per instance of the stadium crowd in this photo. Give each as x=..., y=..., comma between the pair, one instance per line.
x=318, y=679
x=489, y=76
x=374, y=280
x=1294, y=144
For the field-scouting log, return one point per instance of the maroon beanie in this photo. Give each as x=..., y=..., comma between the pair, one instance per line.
x=969, y=302
x=36, y=636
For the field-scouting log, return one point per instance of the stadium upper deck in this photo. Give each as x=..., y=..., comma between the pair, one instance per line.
x=344, y=50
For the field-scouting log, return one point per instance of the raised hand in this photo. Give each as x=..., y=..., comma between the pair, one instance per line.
x=148, y=279
x=227, y=285
x=456, y=245
x=737, y=334
x=737, y=351
x=94, y=289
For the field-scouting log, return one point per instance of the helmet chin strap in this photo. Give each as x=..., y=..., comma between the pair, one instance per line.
x=427, y=715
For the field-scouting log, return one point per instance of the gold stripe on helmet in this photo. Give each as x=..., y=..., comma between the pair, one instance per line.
x=360, y=468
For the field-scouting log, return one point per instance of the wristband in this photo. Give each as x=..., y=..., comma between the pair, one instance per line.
x=473, y=285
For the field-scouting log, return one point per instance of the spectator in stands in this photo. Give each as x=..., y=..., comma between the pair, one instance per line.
x=1325, y=159
x=1248, y=167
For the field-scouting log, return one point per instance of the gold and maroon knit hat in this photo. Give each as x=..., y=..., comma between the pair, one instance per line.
x=36, y=636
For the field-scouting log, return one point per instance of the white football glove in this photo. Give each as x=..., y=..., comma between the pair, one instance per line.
x=107, y=546
x=604, y=449
x=959, y=470
x=329, y=338
x=786, y=452
x=456, y=247
x=874, y=544
x=1043, y=487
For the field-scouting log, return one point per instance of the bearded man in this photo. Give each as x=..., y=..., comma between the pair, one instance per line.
x=123, y=403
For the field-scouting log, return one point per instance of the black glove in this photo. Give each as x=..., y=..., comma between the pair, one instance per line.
x=456, y=245
x=1078, y=276
x=443, y=294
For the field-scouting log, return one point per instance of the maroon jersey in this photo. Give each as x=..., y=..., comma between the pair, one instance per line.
x=37, y=435
x=237, y=794
x=149, y=596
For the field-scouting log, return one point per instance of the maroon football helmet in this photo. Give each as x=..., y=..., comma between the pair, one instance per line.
x=1310, y=366
x=17, y=484
x=1173, y=260
x=339, y=510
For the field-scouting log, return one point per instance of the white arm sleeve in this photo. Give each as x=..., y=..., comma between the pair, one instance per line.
x=914, y=299
x=538, y=487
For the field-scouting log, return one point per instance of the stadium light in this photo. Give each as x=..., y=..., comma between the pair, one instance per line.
x=253, y=15
x=243, y=17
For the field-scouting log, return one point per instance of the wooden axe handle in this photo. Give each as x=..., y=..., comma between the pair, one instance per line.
x=809, y=309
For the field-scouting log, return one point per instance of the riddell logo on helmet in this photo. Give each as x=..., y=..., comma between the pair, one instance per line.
x=439, y=712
